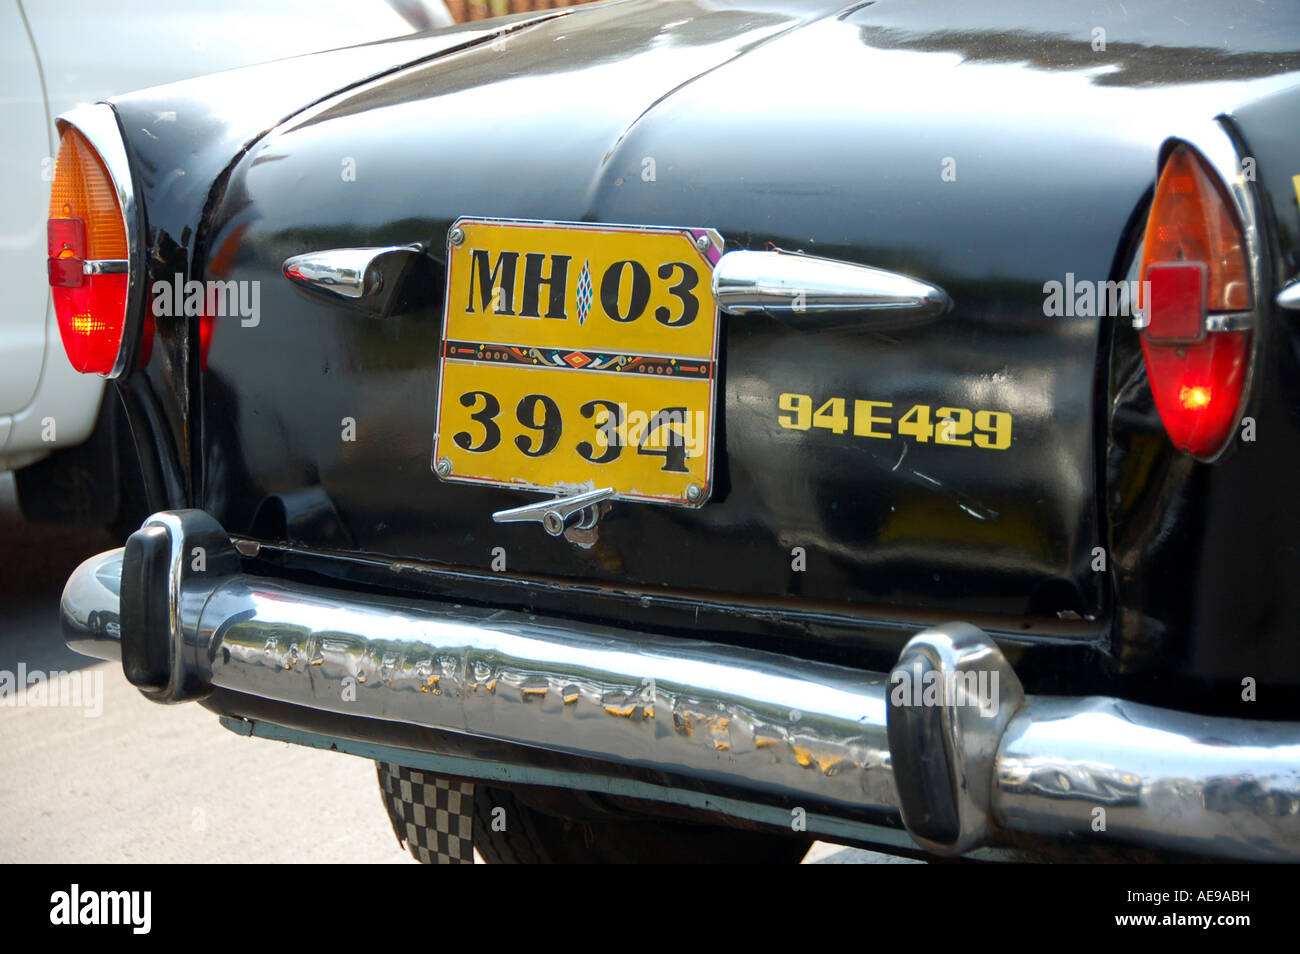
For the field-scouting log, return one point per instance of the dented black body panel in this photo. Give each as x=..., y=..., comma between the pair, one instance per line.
x=987, y=149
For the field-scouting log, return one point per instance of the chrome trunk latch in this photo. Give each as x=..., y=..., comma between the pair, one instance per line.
x=553, y=514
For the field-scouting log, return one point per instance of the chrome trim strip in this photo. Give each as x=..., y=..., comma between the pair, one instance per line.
x=347, y=272
x=98, y=123
x=105, y=266
x=745, y=282
x=1214, y=321
x=1230, y=321
x=836, y=737
x=1289, y=297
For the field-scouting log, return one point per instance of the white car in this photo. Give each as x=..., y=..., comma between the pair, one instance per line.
x=63, y=445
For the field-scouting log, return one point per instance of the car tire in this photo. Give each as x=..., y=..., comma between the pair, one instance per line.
x=432, y=815
x=97, y=483
x=553, y=826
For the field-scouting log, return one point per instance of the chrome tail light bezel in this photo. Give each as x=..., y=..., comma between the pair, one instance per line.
x=1216, y=144
x=98, y=123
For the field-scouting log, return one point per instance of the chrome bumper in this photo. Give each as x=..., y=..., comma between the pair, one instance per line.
x=974, y=761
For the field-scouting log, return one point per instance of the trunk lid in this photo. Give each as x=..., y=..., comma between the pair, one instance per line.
x=846, y=137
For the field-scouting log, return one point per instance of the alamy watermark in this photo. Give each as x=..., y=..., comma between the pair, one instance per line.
x=210, y=299
x=1091, y=299
x=656, y=429
x=970, y=688
x=130, y=908
x=34, y=688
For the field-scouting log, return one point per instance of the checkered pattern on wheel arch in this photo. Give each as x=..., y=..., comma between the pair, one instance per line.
x=432, y=814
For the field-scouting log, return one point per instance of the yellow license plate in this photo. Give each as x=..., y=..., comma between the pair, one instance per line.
x=579, y=357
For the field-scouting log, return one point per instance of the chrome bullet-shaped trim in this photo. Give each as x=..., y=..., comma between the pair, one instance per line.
x=347, y=272
x=746, y=282
x=1289, y=297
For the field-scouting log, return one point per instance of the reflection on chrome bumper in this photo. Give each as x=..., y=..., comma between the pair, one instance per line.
x=956, y=776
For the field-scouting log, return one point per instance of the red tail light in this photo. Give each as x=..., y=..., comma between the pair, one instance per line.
x=1194, y=259
x=88, y=256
